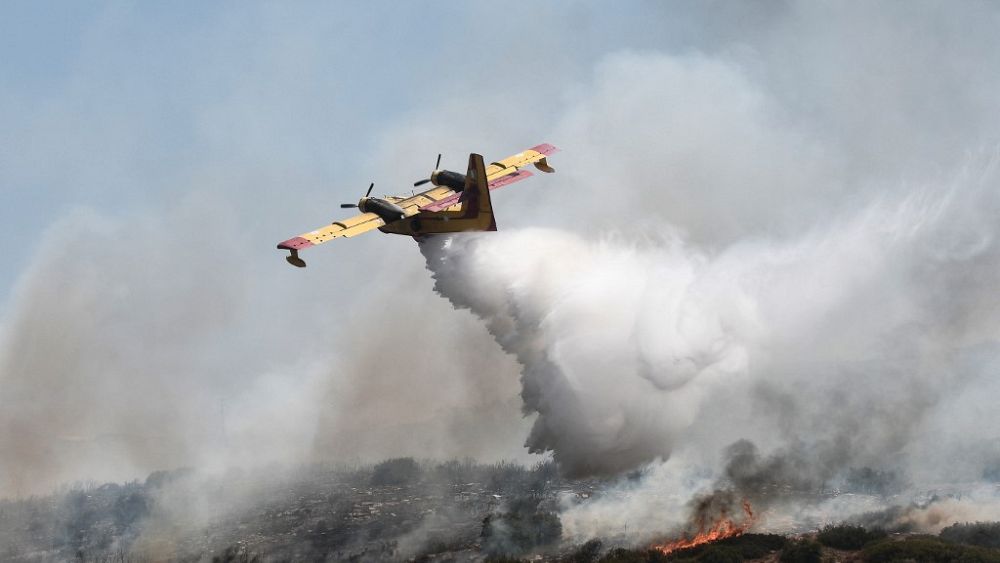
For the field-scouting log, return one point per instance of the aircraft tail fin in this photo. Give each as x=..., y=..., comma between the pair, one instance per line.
x=471, y=210
x=476, y=195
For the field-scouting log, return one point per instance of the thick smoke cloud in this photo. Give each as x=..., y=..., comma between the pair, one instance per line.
x=112, y=367
x=781, y=232
x=836, y=349
x=846, y=335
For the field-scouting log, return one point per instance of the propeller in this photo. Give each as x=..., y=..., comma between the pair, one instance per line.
x=425, y=180
x=350, y=205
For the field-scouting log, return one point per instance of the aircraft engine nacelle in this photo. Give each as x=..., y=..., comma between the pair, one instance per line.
x=388, y=211
x=449, y=179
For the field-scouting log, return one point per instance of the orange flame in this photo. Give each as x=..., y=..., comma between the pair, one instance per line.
x=723, y=527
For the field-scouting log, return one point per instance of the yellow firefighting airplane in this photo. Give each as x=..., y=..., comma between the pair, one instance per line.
x=457, y=202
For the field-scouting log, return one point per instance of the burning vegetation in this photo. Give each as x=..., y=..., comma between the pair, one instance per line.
x=713, y=521
x=405, y=510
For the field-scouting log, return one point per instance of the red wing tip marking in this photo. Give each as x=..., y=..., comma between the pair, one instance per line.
x=296, y=243
x=545, y=149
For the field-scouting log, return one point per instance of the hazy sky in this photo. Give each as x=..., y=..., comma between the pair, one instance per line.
x=124, y=107
x=116, y=105
x=152, y=155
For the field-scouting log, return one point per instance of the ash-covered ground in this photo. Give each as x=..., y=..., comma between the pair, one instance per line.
x=398, y=510
x=404, y=510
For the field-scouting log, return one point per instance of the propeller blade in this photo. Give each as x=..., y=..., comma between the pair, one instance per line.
x=369, y=192
x=348, y=205
x=437, y=165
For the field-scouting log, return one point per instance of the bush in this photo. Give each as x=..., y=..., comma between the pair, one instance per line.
x=398, y=471
x=622, y=555
x=748, y=546
x=507, y=477
x=984, y=534
x=802, y=551
x=720, y=554
x=586, y=553
x=130, y=508
x=158, y=479
x=926, y=549
x=755, y=546
x=519, y=531
x=848, y=537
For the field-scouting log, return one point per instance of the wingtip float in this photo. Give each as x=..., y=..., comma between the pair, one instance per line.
x=456, y=202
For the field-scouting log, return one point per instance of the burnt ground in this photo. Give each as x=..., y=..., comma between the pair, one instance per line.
x=399, y=510
x=396, y=510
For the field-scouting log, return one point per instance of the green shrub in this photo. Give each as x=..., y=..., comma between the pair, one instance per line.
x=848, y=537
x=984, y=534
x=755, y=546
x=720, y=554
x=802, y=551
x=926, y=549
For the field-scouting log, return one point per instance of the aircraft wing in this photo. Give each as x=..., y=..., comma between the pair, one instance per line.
x=448, y=201
x=502, y=173
x=414, y=204
x=349, y=227
x=438, y=198
x=510, y=165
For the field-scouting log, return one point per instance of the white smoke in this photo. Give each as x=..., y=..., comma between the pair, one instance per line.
x=793, y=263
x=838, y=347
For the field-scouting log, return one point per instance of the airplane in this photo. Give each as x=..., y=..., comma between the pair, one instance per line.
x=457, y=202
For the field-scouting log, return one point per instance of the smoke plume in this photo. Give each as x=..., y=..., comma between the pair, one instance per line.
x=768, y=259
x=836, y=350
